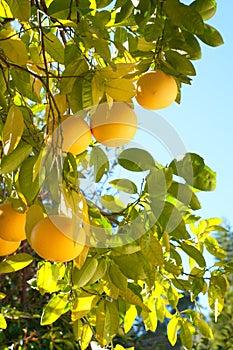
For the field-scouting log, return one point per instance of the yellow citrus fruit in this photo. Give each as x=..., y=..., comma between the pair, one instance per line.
x=156, y=90
x=55, y=238
x=12, y=223
x=115, y=126
x=8, y=247
x=73, y=134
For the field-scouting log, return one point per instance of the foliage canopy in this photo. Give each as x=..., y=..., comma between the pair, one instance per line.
x=64, y=57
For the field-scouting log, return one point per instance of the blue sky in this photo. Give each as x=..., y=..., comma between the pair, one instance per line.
x=204, y=119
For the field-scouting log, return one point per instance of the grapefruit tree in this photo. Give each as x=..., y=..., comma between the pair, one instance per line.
x=69, y=73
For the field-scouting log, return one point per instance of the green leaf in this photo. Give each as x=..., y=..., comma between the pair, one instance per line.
x=15, y=262
x=180, y=63
x=158, y=181
x=124, y=185
x=153, y=251
x=154, y=30
x=131, y=266
x=172, y=329
x=189, y=166
x=184, y=16
x=12, y=129
x=100, y=271
x=54, y=309
x=97, y=87
x=121, y=90
x=117, y=276
x=191, y=46
x=194, y=253
x=186, y=335
x=213, y=248
x=100, y=323
x=72, y=71
x=14, y=159
x=125, y=11
x=185, y=195
x=111, y=203
x=54, y=47
x=203, y=327
x=112, y=319
x=28, y=186
x=22, y=81
x=136, y=159
x=102, y=49
x=81, y=277
x=133, y=299
x=99, y=160
x=205, y=180
x=170, y=218
x=21, y=9
x=3, y=324
x=15, y=50
x=211, y=36
x=206, y=8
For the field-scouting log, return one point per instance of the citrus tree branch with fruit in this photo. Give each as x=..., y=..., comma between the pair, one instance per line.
x=71, y=76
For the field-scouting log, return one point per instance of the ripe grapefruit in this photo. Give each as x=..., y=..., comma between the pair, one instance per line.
x=12, y=223
x=155, y=90
x=8, y=247
x=55, y=238
x=115, y=126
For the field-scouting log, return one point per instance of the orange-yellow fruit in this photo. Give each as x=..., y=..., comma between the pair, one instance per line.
x=73, y=133
x=8, y=247
x=56, y=238
x=114, y=127
x=156, y=90
x=12, y=223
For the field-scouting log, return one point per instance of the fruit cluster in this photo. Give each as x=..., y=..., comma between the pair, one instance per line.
x=111, y=127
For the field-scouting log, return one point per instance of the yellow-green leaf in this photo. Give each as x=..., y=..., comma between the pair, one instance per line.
x=54, y=309
x=133, y=298
x=15, y=262
x=15, y=50
x=186, y=334
x=86, y=336
x=5, y=10
x=15, y=158
x=129, y=318
x=3, y=324
x=121, y=90
x=100, y=323
x=172, y=329
x=21, y=9
x=83, y=304
x=97, y=87
x=12, y=129
x=81, y=277
x=54, y=47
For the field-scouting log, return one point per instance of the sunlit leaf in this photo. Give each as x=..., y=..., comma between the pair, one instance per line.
x=12, y=129
x=54, y=309
x=15, y=262
x=135, y=159
x=15, y=50
x=81, y=277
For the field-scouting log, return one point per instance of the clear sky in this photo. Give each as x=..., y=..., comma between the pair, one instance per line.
x=204, y=119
